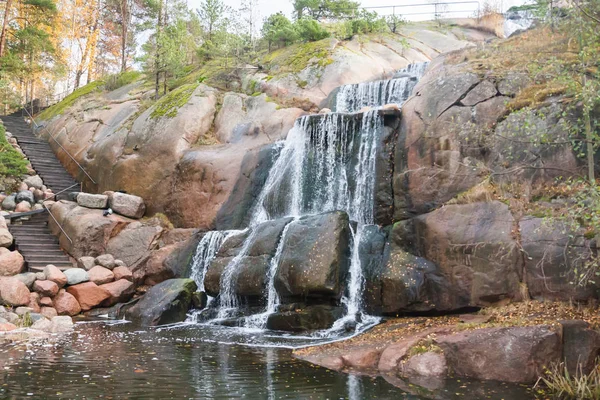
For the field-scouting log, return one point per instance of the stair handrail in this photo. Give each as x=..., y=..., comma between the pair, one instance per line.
x=61, y=146
x=57, y=223
x=64, y=190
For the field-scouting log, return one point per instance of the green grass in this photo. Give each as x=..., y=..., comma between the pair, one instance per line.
x=116, y=81
x=169, y=105
x=68, y=101
x=12, y=163
x=295, y=58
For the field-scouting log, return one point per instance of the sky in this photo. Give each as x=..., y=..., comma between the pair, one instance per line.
x=268, y=7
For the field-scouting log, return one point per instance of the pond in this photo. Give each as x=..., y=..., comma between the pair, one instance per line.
x=117, y=361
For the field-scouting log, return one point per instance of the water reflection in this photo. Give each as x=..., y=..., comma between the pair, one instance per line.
x=119, y=362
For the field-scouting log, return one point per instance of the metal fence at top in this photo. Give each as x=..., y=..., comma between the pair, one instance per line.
x=430, y=10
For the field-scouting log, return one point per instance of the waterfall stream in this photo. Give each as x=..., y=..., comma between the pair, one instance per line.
x=327, y=163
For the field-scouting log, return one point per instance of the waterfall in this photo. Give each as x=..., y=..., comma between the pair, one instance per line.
x=352, y=98
x=327, y=163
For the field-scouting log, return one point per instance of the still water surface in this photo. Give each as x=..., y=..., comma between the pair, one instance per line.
x=190, y=362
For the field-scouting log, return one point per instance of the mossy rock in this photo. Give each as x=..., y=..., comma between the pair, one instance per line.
x=59, y=108
x=169, y=105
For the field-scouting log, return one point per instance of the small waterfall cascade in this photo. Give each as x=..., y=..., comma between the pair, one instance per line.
x=352, y=98
x=327, y=163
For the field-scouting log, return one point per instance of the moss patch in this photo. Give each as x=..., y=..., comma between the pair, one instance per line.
x=12, y=163
x=116, y=81
x=295, y=58
x=169, y=105
x=68, y=101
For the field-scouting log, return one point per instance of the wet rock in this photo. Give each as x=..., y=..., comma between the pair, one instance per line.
x=89, y=200
x=516, y=354
x=86, y=263
x=106, y=261
x=166, y=303
x=13, y=292
x=307, y=319
x=315, y=257
x=11, y=262
x=128, y=205
x=55, y=275
x=76, y=275
x=120, y=291
x=62, y=324
x=46, y=288
x=100, y=275
x=199, y=300
x=362, y=358
x=122, y=272
x=88, y=295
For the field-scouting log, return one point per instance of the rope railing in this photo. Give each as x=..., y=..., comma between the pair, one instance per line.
x=61, y=146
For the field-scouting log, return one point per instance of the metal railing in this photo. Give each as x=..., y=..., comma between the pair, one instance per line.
x=60, y=145
x=57, y=223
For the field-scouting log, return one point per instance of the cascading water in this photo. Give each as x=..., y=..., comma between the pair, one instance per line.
x=352, y=98
x=327, y=163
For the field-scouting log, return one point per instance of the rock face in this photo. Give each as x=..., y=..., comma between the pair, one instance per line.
x=131, y=245
x=315, y=257
x=504, y=354
x=166, y=303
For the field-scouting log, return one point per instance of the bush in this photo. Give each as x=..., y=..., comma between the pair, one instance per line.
x=310, y=30
x=12, y=163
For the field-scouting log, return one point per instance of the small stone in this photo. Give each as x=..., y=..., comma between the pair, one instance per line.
x=13, y=292
x=55, y=275
x=122, y=273
x=11, y=262
x=62, y=324
x=106, y=261
x=76, y=275
x=46, y=288
x=100, y=275
x=325, y=111
x=9, y=203
x=11, y=317
x=28, y=278
x=46, y=302
x=23, y=206
x=7, y=327
x=34, y=302
x=6, y=238
x=120, y=263
x=34, y=181
x=48, y=312
x=86, y=263
x=38, y=195
x=40, y=276
x=23, y=310
x=92, y=200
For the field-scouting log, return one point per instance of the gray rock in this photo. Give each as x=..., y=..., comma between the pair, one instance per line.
x=28, y=278
x=40, y=276
x=428, y=364
x=24, y=310
x=86, y=263
x=11, y=317
x=128, y=205
x=76, y=275
x=120, y=263
x=34, y=181
x=92, y=200
x=307, y=319
x=513, y=83
x=36, y=316
x=61, y=324
x=9, y=203
x=166, y=303
x=479, y=93
x=42, y=324
x=106, y=261
x=25, y=195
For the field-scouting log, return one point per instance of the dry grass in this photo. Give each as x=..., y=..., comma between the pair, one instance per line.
x=559, y=383
x=535, y=95
x=484, y=192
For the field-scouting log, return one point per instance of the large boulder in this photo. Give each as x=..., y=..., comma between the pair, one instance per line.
x=25, y=195
x=120, y=291
x=13, y=292
x=65, y=304
x=88, y=295
x=251, y=271
x=581, y=346
x=315, y=257
x=89, y=200
x=128, y=205
x=46, y=288
x=480, y=262
x=54, y=274
x=9, y=203
x=100, y=275
x=166, y=303
x=306, y=319
x=11, y=262
x=554, y=255
x=132, y=244
x=515, y=354
x=6, y=239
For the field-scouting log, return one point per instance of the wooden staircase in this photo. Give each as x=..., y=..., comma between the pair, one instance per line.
x=33, y=238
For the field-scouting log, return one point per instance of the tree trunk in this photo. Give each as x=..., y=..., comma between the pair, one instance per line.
x=124, y=33
x=589, y=136
x=4, y=25
x=157, y=55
